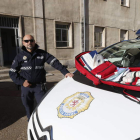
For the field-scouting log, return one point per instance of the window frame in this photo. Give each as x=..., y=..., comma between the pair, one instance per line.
x=126, y=33
x=127, y=3
x=70, y=40
x=103, y=37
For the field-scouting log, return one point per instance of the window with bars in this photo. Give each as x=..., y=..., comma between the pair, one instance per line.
x=63, y=35
x=10, y=22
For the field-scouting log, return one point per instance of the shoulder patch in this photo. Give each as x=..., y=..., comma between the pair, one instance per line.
x=74, y=104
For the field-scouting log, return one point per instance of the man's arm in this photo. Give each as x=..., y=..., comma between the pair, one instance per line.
x=14, y=72
x=69, y=75
x=50, y=59
x=26, y=83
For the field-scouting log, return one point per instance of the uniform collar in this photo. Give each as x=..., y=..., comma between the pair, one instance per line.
x=28, y=53
x=36, y=47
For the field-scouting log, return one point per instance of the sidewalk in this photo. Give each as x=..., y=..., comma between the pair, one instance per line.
x=13, y=120
x=8, y=88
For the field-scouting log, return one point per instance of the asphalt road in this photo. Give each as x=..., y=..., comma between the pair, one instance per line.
x=13, y=120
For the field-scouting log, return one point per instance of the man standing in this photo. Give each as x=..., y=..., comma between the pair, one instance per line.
x=28, y=71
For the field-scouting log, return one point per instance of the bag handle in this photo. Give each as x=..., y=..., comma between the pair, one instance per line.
x=128, y=95
x=124, y=91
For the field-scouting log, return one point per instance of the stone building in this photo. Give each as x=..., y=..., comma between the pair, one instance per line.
x=65, y=28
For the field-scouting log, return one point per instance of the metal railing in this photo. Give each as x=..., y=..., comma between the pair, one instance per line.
x=11, y=22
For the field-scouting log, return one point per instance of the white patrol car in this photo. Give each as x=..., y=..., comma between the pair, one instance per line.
x=75, y=109
x=80, y=111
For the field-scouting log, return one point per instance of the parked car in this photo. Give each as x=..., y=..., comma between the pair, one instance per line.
x=76, y=109
x=124, y=54
x=116, y=56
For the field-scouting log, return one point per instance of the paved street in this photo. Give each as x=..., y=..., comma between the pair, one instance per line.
x=13, y=121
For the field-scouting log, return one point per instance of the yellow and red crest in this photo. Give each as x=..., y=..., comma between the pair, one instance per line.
x=74, y=104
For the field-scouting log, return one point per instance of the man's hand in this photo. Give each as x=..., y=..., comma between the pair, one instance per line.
x=69, y=75
x=26, y=84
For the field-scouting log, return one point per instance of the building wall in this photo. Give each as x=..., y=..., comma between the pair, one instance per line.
x=39, y=17
x=63, y=11
x=112, y=35
x=136, y=14
x=16, y=7
x=111, y=14
x=113, y=17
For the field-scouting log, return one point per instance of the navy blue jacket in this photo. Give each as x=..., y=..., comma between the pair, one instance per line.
x=30, y=66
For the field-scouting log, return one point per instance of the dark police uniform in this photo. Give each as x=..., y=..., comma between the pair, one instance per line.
x=30, y=66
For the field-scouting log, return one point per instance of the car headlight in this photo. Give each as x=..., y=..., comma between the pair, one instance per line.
x=37, y=132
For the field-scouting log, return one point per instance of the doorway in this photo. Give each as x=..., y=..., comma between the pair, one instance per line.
x=8, y=45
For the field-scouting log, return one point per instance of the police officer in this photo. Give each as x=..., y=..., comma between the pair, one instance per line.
x=28, y=71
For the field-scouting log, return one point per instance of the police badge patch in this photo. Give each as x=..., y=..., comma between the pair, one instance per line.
x=24, y=57
x=74, y=104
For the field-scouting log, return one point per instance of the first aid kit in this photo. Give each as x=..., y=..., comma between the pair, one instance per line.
x=99, y=70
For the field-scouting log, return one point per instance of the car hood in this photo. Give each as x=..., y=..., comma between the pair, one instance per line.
x=106, y=115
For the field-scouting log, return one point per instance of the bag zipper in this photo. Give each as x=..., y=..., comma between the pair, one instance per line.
x=104, y=69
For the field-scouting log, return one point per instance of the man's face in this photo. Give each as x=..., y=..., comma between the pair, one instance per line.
x=29, y=42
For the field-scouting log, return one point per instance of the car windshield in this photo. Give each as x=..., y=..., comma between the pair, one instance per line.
x=124, y=54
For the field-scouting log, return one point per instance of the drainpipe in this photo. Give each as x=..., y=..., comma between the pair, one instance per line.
x=44, y=24
x=82, y=13
x=34, y=22
x=84, y=17
x=1, y=52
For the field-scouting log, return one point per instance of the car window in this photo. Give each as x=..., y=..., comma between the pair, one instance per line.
x=124, y=54
x=118, y=54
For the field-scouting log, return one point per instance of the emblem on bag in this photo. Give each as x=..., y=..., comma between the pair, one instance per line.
x=74, y=104
x=24, y=57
